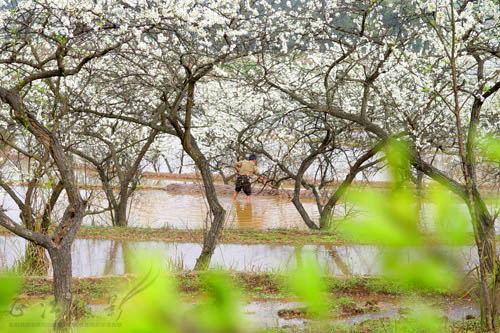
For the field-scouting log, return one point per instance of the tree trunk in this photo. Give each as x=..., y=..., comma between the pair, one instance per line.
x=302, y=211
x=61, y=265
x=35, y=260
x=211, y=235
x=120, y=218
x=183, y=132
x=219, y=214
x=488, y=270
x=181, y=163
x=326, y=218
x=168, y=165
x=225, y=179
x=210, y=241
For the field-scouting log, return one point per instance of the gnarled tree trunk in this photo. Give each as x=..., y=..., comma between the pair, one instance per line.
x=211, y=235
x=63, y=293
x=484, y=232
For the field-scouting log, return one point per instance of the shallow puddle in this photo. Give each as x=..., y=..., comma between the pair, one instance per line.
x=452, y=312
x=93, y=257
x=257, y=314
x=266, y=314
x=389, y=311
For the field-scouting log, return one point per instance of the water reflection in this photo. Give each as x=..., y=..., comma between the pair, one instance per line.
x=110, y=257
x=245, y=217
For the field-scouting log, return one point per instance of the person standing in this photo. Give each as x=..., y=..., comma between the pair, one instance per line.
x=246, y=169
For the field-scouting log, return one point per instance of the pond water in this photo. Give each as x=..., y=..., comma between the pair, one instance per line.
x=110, y=257
x=157, y=208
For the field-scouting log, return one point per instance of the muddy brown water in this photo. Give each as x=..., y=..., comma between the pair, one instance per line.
x=180, y=204
x=160, y=208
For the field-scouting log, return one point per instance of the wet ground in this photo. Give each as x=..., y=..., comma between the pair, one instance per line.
x=268, y=314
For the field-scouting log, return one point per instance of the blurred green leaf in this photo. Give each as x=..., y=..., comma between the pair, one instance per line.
x=390, y=219
x=10, y=286
x=220, y=312
x=420, y=268
x=421, y=318
x=150, y=304
x=15, y=316
x=451, y=221
x=398, y=156
x=490, y=148
x=306, y=282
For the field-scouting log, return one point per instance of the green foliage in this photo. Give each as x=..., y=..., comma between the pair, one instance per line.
x=220, y=311
x=398, y=157
x=490, y=148
x=420, y=319
x=153, y=304
x=393, y=220
x=10, y=286
x=306, y=282
x=15, y=316
x=451, y=222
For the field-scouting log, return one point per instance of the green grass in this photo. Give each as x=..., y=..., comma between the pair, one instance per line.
x=243, y=236
x=235, y=236
x=254, y=285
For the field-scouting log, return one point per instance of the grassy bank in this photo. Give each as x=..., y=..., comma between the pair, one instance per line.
x=254, y=286
x=352, y=291
x=234, y=236
x=241, y=236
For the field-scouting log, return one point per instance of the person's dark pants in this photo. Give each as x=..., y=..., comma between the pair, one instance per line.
x=243, y=183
